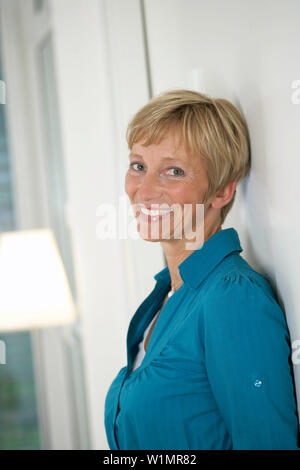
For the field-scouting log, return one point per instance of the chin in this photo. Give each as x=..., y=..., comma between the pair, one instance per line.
x=153, y=240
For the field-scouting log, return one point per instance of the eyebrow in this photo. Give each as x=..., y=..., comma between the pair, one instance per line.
x=164, y=158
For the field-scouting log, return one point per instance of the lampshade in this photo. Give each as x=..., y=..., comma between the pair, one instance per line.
x=34, y=290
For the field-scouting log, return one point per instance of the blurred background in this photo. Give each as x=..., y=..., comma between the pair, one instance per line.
x=72, y=74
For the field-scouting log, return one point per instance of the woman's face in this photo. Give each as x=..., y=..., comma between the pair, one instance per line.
x=162, y=176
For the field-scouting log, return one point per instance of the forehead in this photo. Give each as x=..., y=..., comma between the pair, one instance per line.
x=171, y=147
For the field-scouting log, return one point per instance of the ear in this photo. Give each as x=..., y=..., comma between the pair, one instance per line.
x=224, y=195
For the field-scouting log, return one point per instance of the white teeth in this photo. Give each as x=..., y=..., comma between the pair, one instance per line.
x=154, y=213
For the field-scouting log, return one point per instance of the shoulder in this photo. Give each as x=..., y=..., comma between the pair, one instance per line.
x=248, y=284
x=243, y=297
x=243, y=323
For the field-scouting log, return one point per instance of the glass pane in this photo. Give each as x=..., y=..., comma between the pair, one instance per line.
x=18, y=412
x=58, y=198
x=19, y=427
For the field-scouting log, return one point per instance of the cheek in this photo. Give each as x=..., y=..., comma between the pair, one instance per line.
x=185, y=193
x=130, y=185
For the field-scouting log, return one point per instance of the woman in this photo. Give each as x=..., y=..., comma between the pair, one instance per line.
x=208, y=349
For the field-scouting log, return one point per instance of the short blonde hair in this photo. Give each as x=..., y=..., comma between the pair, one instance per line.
x=212, y=128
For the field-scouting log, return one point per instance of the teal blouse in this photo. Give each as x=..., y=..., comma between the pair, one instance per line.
x=217, y=371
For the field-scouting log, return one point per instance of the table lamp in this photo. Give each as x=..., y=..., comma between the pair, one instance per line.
x=34, y=290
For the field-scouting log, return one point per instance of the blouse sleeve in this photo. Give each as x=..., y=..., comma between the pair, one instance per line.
x=247, y=355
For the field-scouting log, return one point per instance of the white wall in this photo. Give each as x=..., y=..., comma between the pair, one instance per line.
x=246, y=51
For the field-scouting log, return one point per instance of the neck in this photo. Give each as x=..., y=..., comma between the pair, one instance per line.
x=175, y=253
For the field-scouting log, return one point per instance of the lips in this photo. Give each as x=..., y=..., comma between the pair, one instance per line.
x=155, y=213
x=146, y=214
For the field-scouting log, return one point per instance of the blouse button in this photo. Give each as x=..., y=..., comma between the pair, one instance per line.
x=258, y=383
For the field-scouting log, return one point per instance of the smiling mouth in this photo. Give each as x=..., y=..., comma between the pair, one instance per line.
x=155, y=213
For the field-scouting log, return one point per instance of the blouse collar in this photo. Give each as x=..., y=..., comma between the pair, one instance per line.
x=197, y=266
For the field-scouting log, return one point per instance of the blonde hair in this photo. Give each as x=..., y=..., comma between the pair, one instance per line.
x=212, y=128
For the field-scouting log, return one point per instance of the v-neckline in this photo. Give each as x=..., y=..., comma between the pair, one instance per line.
x=154, y=323
x=143, y=317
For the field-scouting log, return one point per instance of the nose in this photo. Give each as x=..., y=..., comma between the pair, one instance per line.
x=149, y=188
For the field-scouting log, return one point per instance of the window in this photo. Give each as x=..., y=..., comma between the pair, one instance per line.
x=19, y=428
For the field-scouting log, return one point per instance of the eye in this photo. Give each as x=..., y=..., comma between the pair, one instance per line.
x=177, y=171
x=138, y=167
x=135, y=163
